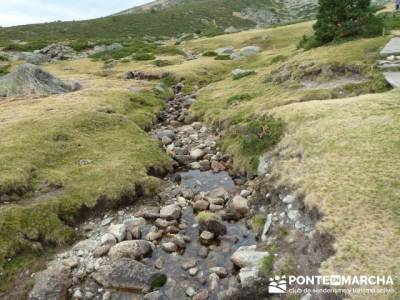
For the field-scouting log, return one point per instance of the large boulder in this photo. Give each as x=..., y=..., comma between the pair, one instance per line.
x=129, y=275
x=240, y=205
x=29, y=79
x=51, y=284
x=33, y=58
x=131, y=249
x=248, y=256
x=249, y=51
x=211, y=223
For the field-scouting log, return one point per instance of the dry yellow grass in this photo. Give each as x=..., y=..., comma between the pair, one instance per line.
x=350, y=170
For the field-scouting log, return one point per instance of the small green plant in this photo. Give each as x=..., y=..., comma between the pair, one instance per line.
x=267, y=265
x=169, y=81
x=210, y=54
x=169, y=50
x=223, y=57
x=158, y=282
x=143, y=56
x=258, y=221
x=162, y=63
x=278, y=58
x=4, y=70
x=261, y=134
x=239, y=98
x=206, y=215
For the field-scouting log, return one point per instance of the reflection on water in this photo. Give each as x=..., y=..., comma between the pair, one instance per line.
x=206, y=181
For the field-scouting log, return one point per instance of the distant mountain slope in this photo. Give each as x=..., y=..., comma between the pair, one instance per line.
x=167, y=18
x=158, y=4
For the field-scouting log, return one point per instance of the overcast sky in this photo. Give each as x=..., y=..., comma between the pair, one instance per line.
x=18, y=12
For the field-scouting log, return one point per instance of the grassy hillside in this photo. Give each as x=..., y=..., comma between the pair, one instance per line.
x=339, y=146
x=203, y=17
x=64, y=153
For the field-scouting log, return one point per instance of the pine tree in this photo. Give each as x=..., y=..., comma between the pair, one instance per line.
x=337, y=19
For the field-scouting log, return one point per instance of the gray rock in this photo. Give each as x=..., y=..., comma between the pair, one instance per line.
x=239, y=73
x=207, y=237
x=171, y=212
x=220, y=271
x=128, y=275
x=250, y=50
x=29, y=79
x=197, y=154
x=201, y=205
x=190, y=292
x=266, y=228
x=86, y=245
x=248, y=276
x=263, y=165
x=156, y=295
x=191, y=263
x=289, y=199
x=33, y=58
x=131, y=249
x=293, y=215
x=240, y=205
x=225, y=50
x=119, y=231
x=133, y=222
x=51, y=284
x=108, y=239
x=202, y=295
x=218, y=193
x=248, y=256
x=231, y=29
x=213, y=225
x=169, y=247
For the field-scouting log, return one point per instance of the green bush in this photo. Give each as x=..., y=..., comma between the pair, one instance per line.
x=223, y=57
x=169, y=50
x=79, y=45
x=27, y=47
x=267, y=265
x=162, y=63
x=261, y=134
x=239, y=98
x=4, y=70
x=210, y=53
x=338, y=19
x=143, y=56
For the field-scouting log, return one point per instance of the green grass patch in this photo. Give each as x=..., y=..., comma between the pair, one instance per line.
x=267, y=265
x=258, y=222
x=47, y=158
x=222, y=57
x=239, y=98
x=143, y=56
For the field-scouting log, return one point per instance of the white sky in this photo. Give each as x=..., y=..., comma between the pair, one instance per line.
x=19, y=12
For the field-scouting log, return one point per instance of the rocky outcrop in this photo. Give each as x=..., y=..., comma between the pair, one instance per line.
x=129, y=275
x=51, y=284
x=29, y=79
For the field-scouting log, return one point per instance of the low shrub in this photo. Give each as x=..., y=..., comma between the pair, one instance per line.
x=261, y=134
x=210, y=53
x=143, y=56
x=239, y=98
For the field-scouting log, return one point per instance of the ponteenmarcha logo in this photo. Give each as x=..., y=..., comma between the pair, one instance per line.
x=277, y=285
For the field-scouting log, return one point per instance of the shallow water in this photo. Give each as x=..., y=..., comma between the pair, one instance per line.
x=219, y=256
x=206, y=181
